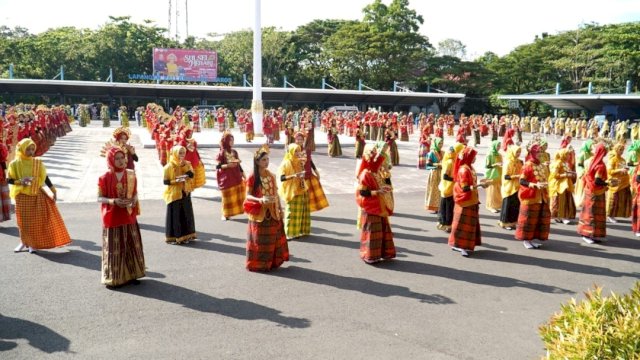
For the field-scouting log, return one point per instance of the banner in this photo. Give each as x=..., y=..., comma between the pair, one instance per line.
x=185, y=64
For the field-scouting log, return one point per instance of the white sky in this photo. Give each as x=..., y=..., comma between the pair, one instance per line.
x=488, y=25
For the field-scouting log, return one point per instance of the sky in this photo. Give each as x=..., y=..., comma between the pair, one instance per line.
x=481, y=25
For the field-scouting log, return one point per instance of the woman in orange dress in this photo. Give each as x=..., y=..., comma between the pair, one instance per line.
x=40, y=223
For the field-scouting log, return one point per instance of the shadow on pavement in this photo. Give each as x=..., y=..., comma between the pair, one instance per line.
x=38, y=336
x=234, y=308
x=364, y=286
x=333, y=220
x=75, y=258
x=470, y=276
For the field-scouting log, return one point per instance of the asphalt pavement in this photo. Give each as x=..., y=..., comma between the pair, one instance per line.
x=199, y=302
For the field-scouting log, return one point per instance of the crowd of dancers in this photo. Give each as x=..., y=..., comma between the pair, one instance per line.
x=527, y=194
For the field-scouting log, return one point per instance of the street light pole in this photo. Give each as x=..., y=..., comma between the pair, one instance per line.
x=257, y=109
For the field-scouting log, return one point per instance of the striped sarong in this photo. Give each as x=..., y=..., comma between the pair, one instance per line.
x=297, y=217
x=432, y=193
x=317, y=198
x=635, y=215
x=619, y=203
x=266, y=245
x=122, y=255
x=465, y=229
x=5, y=202
x=232, y=200
x=40, y=223
x=422, y=156
x=376, y=239
x=593, y=216
x=534, y=222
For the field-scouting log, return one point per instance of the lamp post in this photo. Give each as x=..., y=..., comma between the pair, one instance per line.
x=257, y=109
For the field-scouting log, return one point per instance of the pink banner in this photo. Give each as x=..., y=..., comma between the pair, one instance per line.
x=185, y=64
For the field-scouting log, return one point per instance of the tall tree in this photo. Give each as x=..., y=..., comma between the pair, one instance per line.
x=453, y=48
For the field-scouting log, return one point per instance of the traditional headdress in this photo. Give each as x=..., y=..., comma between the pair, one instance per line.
x=264, y=149
x=121, y=130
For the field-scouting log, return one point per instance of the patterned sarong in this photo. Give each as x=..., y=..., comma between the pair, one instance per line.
x=534, y=222
x=297, y=217
x=40, y=223
x=317, y=198
x=267, y=245
x=122, y=255
x=465, y=230
x=376, y=239
x=232, y=200
x=5, y=203
x=593, y=216
x=619, y=203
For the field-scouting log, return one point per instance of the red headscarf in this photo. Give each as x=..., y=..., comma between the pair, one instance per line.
x=466, y=157
x=508, y=139
x=532, y=156
x=225, y=142
x=461, y=139
x=111, y=158
x=371, y=160
x=565, y=142
x=597, y=164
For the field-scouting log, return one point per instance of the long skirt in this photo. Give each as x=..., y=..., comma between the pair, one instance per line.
x=635, y=215
x=393, y=153
x=40, y=223
x=593, y=216
x=359, y=149
x=297, y=217
x=476, y=137
x=266, y=245
x=494, y=197
x=509, y=211
x=563, y=206
x=248, y=136
x=232, y=200
x=445, y=213
x=317, y=198
x=180, y=224
x=422, y=157
x=376, y=239
x=534, y=222
x=5, y=202
x=334, y=147
x=619, y=203
x=200, y=178
x=432, y=194
x=465, y=229
x=404, y=136
x=579, y=192
x=122, y=255
x=310, y=141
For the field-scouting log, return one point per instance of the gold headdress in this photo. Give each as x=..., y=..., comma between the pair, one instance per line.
x=263, y=149
x=121, y=130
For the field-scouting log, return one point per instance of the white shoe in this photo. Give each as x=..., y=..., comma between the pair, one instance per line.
x=566, y=221
x=19, y=248
x=32, y=250
x=456, y=249
x=588, y=240
x=612, y=220
x=536, y=244
x=638, y=234
x=464, y=253
x=527, y=244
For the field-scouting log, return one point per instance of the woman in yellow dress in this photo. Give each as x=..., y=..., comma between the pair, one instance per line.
x=509, y=188
x=180, y=225
x=619, y=196
x=561, y=179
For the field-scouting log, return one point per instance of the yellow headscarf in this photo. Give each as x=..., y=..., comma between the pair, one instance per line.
x=291, y=165
x=26, y=166
x=512, y=166
x=559, y=186
x=172, y=170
